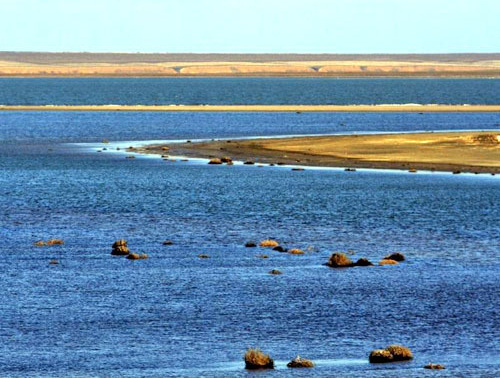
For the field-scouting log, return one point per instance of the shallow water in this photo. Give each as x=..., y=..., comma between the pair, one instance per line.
x=178, y=315
x=254, y=90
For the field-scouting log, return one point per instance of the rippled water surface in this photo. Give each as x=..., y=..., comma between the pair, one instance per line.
x=175, y=314
x=263, y=90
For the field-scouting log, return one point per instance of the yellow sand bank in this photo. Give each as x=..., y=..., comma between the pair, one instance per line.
x=259, y=108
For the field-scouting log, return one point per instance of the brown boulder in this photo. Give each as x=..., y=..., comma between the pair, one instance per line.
x=400, y=353
x=133, y=256
x=256, y=359
x=215, y=161
x=363, y=262
x=339, y=260
x=387, y=262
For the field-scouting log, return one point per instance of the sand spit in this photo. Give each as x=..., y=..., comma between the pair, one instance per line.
x=475, y=152
x=415, y=108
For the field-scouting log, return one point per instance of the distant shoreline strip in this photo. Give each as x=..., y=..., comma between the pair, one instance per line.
x=411, y=108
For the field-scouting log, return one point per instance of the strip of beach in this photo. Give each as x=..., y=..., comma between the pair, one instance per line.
x=473, y=152
x=411, y=108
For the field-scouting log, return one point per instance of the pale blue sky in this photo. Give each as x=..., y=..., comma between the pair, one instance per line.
x=315, y=26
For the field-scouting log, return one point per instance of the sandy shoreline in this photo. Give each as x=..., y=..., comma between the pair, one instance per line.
x=259, y=108
x=476, y=152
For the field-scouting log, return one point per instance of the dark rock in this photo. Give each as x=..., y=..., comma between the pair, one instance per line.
x=396, y=256
x=249, y=162
x=279, y=248
x=363, y=262
x=168, y=242
x=275, y=271
x=250, y=244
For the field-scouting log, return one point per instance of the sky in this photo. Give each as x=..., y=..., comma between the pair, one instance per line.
x=251, y=26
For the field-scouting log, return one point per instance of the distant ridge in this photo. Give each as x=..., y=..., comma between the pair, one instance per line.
x=122, y=58
x=308, y=65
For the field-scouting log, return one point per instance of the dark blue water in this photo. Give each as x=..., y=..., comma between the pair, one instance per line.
x=188, y=91
x=177, y=315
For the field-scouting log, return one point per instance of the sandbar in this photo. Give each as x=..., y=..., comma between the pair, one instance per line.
x=414, y=108
x=472, y=151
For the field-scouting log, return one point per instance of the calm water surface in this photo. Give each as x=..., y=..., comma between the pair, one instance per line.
x=264, y=90
x=177, y=315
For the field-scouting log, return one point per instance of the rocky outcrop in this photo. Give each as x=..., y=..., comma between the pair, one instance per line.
x=215, y=161
x=120, y=248
x=256, y=359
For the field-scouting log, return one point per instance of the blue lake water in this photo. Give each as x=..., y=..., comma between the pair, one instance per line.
x=188, y=91
x=178, y=315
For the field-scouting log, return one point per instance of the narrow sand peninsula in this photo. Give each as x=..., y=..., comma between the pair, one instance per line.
x=259, y=108
x=452, y=151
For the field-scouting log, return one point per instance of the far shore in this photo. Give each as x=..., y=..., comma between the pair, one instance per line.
x=411, y=108
x=474, y=151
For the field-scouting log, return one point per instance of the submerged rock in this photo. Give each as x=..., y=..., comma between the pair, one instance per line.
x=203, y=256
x=275, y=272
x=299, y=362
x=434, y=366
x=250, y=244
x=339, y=260
x=296, y=251
x=279, y=248
x=53, y=262
x=168, y=242
x=387, y=262
x=249, y=162
x=256, y=359
x=39, y=243
x=226, y=159
x=55, y=242
x=133, y=256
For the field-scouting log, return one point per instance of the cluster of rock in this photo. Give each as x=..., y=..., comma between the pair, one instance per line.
x=120, y=248
x=392, y=353
x=340, y=260
x=275, y=245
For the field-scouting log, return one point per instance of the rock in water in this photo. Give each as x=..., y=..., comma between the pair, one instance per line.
x=256, y=359
x=120, y=248
x=299, y=362
x=396, y=256
x=363, y=262
x=339, y=260
x=380, y=356
x=400, y=353
x=434, y=366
